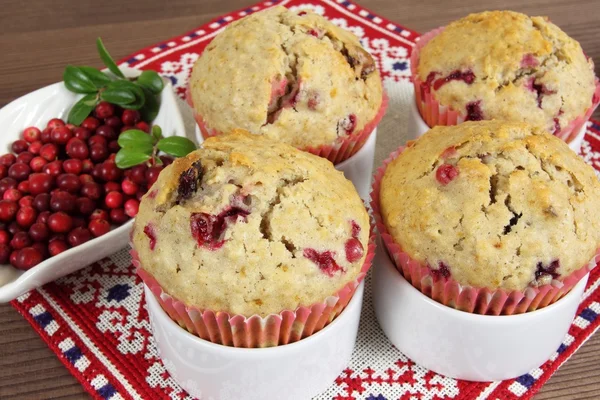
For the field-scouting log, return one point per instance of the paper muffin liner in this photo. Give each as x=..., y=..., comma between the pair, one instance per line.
x=288, y=326
x=449, y=292
x=434, y=113
x=337, y=152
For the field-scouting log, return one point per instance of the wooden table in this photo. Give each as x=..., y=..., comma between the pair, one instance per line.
x=38, y=39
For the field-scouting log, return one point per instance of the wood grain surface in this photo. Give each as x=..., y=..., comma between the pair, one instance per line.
x=38, y=38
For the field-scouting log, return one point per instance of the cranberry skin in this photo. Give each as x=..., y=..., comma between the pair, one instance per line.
x=73, y=166
x=8, y=159
x=49, y=151
x=104, y=110
x=113, y=200
x=43, y=217
x=138, y=174
x=97, y=139
x=78, y=236
x=35, y=147
x=446, y=173
x=40, y=183
x=45, y=137
x=98, y=152
x=23, y=186
x=99, y=227
x=110, y=171
x=129, y=187
x=25, y=157
x=60, y=222
x=61, y=135
x=90, y=123
x=62, y=201
x=79, y=222
x=41, y=202
x=19, y=172
x=4, y=237
x=28, y=258
x=86, y=178
x=39, y=232
x=8, y=210
x=152, y=174
x=7, y=183
x=118, y=216
x=99, y=214
x=57, y=246
x=92, y=190
x=26, y=201
x=20, y=240
x=143, y=126
x=127, y=128
x=37, y=164
x=130, y=117
x=31, y=134
x=12, y=195
x=82, y=133
x=167, y=160
x=113, y=146
x=5, y=251
x=26, y=216
x=14, y=228
x=13, y=258
x=42, y=248
x=76, y=148
x=87, y=166
x=112, y=187
x=106, y=131
x=19, y=146
x=132, y=206
x=69, y=183
x=114, y=122
x=85, y=206
x=53, y=168
x=3, y=171
x=55, y=123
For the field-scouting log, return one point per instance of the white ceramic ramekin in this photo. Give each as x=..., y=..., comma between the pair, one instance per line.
x=296, y=371
x=418, y=127
x=463, y=345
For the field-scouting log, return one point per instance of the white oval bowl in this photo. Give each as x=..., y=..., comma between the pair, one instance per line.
x=36, y=109
x=296, y=371
x=462, y=345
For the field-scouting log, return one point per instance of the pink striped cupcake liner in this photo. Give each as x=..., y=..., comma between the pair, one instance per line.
x=288, y=326
x=341, y=150
x=434, y=113
x=449, y=292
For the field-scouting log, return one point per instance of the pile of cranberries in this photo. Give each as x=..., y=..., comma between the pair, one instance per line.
x=61, y=187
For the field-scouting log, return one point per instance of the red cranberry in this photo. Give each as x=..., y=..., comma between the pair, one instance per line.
x=446, y=173
x=97, y=139
x=86, y=178
x=107, y=132
x=28, y=258
x=73, y=166
x=37, y=164
x=474, y=112
x=91, y=190
x=167, y=160
x=60, y=222
x=23, y=186
x=35, y=147
x=132, y=206
x=138, y=174
x=78, y=236
x=129, y=187
x=104, y=110
x=62, y=201
x=14, y=228
x=112, y=187
x=13, y=258
x=61, y=135
x=26, y=216
x=98, y=152
x=127, y=128
x=42, y=248
x=31, y=134
x=68, y=182
x=87, y=166
x=19, y=146
x=79, y=222
x=20, y=240
x=45, y=136
x=40, y=183
x=5, y=251
x=41, y=202
x=113, y=200
x=99, y=214
x=8, y=210
x=4, y=237
x=113, y=146
x=118, y=216
x=39, y=232
x=3, y=171
x=82, y=133
x=130, y=117
x=110, y=171
x=12, y=195
x=53, y=168
x=7, y=183
x=325, y=261
x=49, y=151
x=55, y=123
x=85, y=206
x=26, y=201
x=56, y=247
x=19, y=172
x=114, y=122
x=99, y=227
x=8, y=159
x=25, y=157
x=143, y=126
x=76, y=148
x=152, y=174
x=151, y=233
x=43, y=217
x=90, y=123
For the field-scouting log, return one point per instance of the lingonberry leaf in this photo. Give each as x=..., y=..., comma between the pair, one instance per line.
x=107, y=59
x=151, y=81
x=118, y=96
x=177, y=146
x=77, y=81
x=99, y=78
x=135, y=138
x=157, y=132
x=82, y=109
x=135, y=93
x=128, y=157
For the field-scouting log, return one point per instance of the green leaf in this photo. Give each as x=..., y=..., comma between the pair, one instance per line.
x=135, y=94
x=99, y=78
x=150, y=109
x=127, y=158
x=157, y=132
x=151, y=81
x=117, y=96
x=135, y=138
x=107, y=59
x=82, y=109
x=177, y=146
x=77, y=81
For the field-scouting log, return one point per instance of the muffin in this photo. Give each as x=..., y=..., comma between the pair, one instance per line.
x=504, y=65
x=252, y=229
x=292, y=77
x=490, y=217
